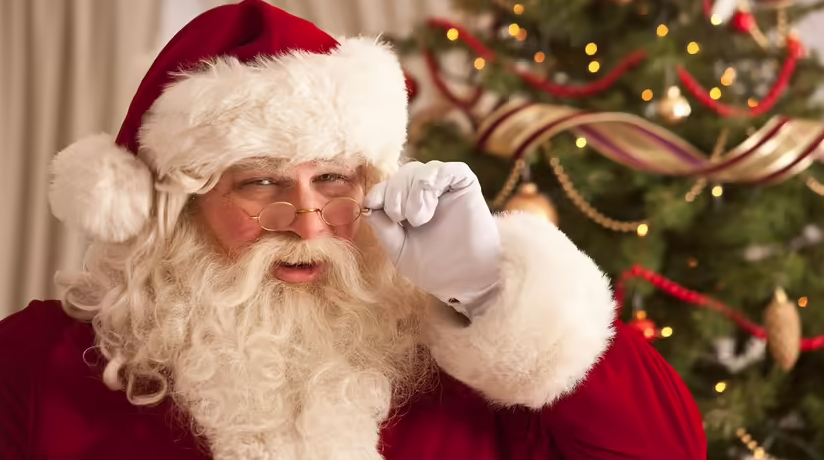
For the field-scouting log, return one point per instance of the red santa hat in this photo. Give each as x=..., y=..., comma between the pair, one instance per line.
x=240, y=81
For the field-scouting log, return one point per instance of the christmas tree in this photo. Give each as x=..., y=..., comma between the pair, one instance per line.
x=678, y=137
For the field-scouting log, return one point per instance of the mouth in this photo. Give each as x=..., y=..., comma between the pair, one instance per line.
x=298, y=266
x=298, y=273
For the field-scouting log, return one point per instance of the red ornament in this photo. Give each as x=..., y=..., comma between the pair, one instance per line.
x=645, y=327
x=411, y=87
x=742, y=21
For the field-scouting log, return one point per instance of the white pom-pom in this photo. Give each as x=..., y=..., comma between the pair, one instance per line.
x=101, y=189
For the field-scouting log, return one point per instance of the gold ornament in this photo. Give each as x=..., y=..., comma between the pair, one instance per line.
x=675, y=107
x=529, y=199
x=783, y=326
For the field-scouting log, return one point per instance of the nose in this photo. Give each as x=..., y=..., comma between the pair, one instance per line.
x=307, y=225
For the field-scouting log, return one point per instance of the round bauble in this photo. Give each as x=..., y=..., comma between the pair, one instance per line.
x=674, y=107
x=645, y=327
x=530, y=200
x=742, y=21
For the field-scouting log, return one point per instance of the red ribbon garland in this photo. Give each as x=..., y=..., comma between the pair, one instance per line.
x=434, y=71
x=566, y=91
x=794, y=52
x=701, y=301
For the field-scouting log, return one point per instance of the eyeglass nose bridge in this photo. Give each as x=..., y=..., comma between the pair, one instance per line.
x=307, y=211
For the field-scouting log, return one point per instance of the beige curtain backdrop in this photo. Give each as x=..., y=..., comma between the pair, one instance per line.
x=353, y=17
x=68, y=71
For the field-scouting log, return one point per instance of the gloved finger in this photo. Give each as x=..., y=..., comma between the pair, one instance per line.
x=395, y=196
x=390, y=234
x=454, y=176
x=422, y=198
x=420, y=204
x=375, y=198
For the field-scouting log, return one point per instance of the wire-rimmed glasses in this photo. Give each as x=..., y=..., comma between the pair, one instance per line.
x=335, y=213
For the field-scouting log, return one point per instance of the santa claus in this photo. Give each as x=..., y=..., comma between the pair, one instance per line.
x=269, y=279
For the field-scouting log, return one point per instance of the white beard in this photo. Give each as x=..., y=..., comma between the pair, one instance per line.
x=265, y=369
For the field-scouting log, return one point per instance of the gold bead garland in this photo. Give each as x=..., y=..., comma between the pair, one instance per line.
x=757, y=451
x=583, y=205
x=586, y=208
x=569, y=190
x=509, y=186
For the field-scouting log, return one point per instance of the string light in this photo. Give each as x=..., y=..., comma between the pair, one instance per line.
x=717, y=191
x=518, y=8
x=802, y=302
x=693, y=48
x=647, y=95
x=692, y=262
x=720, y=387
x=728, y=77
x=715, y=93
x=514, y=29
x=752, y=102
x=715, y=20
x=594, y=66
x=452, y=34
x=581, y=142
x=540, y=56
x=662, y=30
x=666, y=331
x=521, y=35
x=591, y=49
x=480, y=63
x=642, y=230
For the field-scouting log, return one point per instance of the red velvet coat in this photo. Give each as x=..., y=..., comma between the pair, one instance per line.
x=54, y=406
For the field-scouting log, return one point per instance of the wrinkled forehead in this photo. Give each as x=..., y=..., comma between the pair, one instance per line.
x=282, y=167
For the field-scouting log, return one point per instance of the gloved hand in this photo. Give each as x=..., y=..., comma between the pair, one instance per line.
x=434, y=223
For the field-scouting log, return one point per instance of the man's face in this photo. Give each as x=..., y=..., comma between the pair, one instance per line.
x=231, y=210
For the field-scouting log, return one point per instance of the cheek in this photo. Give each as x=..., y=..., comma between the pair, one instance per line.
x=348, y=232
x=229, y=225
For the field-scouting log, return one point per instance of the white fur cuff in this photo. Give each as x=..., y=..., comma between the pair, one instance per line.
x=548, y=326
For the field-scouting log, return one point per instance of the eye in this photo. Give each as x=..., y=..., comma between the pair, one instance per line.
x=258, y=182
x=332, y=177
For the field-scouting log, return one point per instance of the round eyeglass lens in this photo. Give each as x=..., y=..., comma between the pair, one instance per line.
x=276, y=216
x=341, y=211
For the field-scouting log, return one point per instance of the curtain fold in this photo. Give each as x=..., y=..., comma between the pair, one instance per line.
x=68, y=71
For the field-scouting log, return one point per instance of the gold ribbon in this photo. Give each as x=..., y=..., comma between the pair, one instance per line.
x=782, y=148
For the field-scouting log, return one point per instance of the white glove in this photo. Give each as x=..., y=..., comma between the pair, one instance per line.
x=434, y=223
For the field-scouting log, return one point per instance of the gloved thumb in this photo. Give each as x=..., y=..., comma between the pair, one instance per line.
x=390, y=234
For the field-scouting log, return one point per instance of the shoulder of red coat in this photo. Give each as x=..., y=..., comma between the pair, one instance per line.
x=28, y=336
